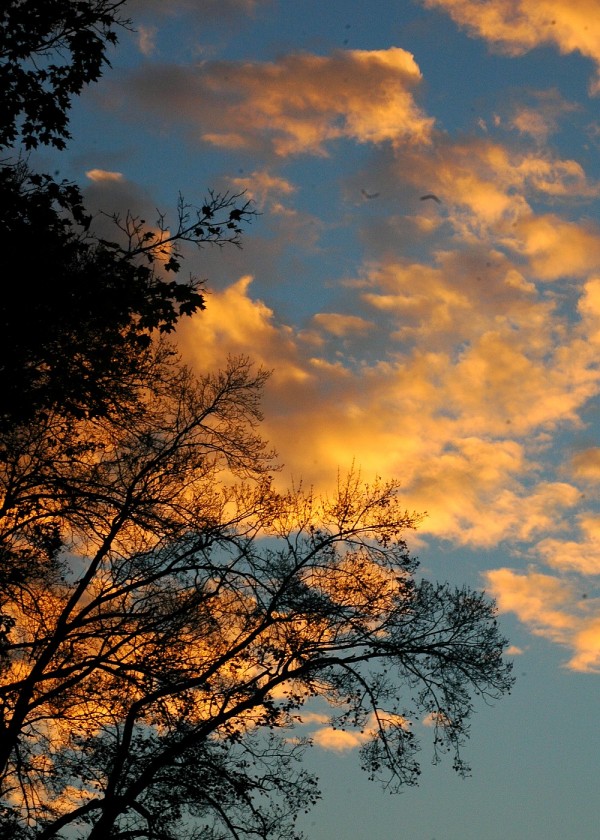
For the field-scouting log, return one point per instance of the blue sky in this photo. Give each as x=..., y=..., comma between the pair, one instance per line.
x=450, y=343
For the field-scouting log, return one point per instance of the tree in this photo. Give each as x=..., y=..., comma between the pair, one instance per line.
x=165, y=613
x=49, y=51
x=90, y=305
x=183, y=613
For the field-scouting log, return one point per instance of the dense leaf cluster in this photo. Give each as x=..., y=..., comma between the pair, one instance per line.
x=49, y=51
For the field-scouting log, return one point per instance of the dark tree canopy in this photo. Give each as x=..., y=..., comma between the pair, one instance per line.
x=78, y=312
x=49, y=51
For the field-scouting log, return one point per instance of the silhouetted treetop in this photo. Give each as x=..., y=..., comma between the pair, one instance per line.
x=48, y=52
x=79, y=311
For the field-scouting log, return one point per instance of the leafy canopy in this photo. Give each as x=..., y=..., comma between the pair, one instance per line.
x=49, y=51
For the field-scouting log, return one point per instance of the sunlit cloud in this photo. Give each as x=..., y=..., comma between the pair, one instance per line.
x=298, y=104
x=581, y=555
x=486, y=188
x=338, y=740
x=540, y=116
x=102, y=175
x=553, y=608
x=435, y=719
x=557, y=248
x=342, y=325
x=462, y=430
x=261, y=186
x=586, y=464
x=517, y=26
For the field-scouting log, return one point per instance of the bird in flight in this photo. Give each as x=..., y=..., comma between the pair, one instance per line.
x=432, y=197
x=369, y=195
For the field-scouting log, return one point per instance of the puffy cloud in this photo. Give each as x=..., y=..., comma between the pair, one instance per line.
x=461, y=428
x=295, y=105
x=583, y=555
x=557, y=248
x=486, y=187
x=435, y=719
x=341, y=325
x=338, y=740
x=589, y=309
x=553, y=608
x=517, y=26
x=540, y=118
x=539, y=600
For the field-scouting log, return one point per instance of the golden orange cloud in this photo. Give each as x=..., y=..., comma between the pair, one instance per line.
x=100, y=175
x=581, y=555
x=341, y=325
x=517, y=26
x=486, y=187
x=260, y=185
x=297, y=104
x=586, y=464
x=556, y=247
x=553, y=608
x=460, y=429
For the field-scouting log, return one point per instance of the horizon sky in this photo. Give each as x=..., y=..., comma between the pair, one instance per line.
x=423, y=280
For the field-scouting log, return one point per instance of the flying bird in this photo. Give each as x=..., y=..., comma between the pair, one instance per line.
x=432, y=196
x=369, y=195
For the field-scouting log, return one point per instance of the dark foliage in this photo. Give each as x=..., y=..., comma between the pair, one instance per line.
x=49, y=51
x=77, y=313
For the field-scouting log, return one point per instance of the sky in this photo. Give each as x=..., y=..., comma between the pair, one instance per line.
x=423, y=280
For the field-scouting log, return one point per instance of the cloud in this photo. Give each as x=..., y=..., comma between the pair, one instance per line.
x=435, y=719
x=517, y=26
x=585, y=464
x=295, y=105
x=342, y=325
x=146, y=39
x=581, y=555
x=486, y=188
x=261, y=185
x=552, y=608
x=540, y=117
x=461, y=424
x=338, y=740
x=102, y=175
x=556, y=248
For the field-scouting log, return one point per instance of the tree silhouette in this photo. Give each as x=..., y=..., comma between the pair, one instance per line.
x=178, y=613
x=80, y=310
x=49, y=51
x=166, y=614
